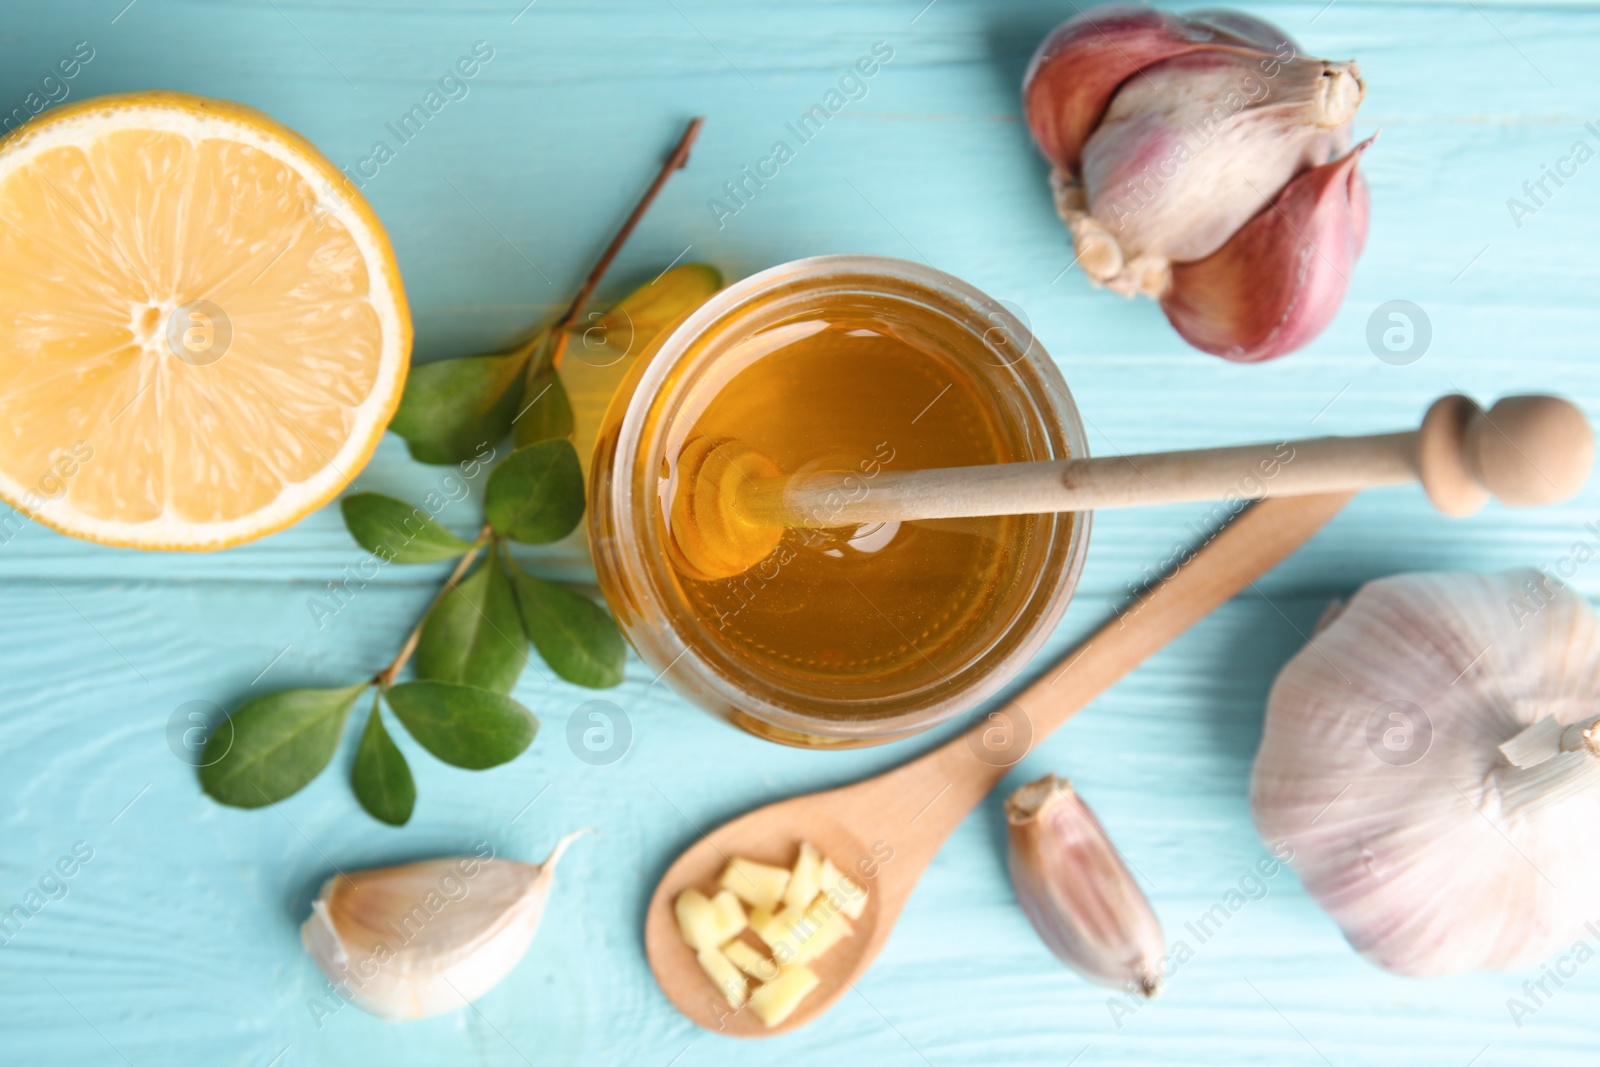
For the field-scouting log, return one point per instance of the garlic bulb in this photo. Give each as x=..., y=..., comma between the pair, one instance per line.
x=1077, y=892
x=1431, y=760
x=1173, y=139
x=424, y=938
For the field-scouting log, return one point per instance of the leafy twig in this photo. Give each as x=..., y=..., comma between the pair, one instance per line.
x=459, y=708
x=676, y=161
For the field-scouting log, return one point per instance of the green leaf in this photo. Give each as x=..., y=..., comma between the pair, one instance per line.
x=536, y=494
x=474, y=635
x=651, y=308
x=397, y=532
x=277, y=744
x=464, y=726
x=547, y=413
x=380, y=776
x=452, y=407
x=576, y=636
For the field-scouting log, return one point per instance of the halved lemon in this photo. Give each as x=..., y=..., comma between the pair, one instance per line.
x=202, y=327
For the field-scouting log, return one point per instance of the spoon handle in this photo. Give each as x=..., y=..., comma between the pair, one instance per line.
x=939, y=789
x=1525, y=450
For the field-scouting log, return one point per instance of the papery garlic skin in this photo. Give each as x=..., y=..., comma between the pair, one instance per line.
x=1445, y=856
x=1169, y=134
x=1077, y=892
x=425, y=938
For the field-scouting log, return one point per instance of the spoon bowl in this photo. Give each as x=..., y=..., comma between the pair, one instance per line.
x=769, y=835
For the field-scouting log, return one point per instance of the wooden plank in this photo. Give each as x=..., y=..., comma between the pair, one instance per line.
x=178, y=939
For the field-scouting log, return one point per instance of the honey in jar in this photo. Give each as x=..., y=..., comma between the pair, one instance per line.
x=839, y=368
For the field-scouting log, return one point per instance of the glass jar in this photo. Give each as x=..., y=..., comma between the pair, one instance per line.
x=852, y=636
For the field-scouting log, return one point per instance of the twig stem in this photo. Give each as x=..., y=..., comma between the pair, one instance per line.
x=385, y=678
x=679, y=157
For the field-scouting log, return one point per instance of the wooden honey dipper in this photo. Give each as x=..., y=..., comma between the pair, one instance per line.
x=733, y=505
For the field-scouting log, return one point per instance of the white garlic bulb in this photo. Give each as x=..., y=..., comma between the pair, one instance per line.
x=1431, y=760
x=424, y=938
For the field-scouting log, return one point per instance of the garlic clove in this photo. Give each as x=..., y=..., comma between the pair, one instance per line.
x=1342, y=89
x=424, y=938
x=1190, y=149
x=1409, y=772
x=1077, y=892
x=1246, y=27
x=1279, y=280
x=1082, y=63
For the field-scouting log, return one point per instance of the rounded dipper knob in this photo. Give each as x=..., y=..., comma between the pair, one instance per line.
x=1524, y=450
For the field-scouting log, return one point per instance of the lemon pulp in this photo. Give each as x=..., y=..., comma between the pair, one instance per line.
x=202, y=329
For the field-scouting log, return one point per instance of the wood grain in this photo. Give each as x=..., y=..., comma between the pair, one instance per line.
x=178, y=941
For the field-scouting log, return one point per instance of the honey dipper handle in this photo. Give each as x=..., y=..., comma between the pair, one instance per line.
x=1524, y=450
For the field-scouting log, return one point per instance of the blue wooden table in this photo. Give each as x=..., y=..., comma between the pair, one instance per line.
x=177, y=941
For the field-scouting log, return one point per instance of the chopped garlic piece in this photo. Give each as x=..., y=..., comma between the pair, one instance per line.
x=697, y=920
x=757, y=884
x=785, y=928
x=776, y=1000
x=725, y=976
x=827, y=928
x=798, y=937
x=802, y=888
x=851, y=894
x=750, y=961
x=729, y=915
x=800, y=914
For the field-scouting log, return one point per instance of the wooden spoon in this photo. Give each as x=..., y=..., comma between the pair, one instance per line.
x=885, y=830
